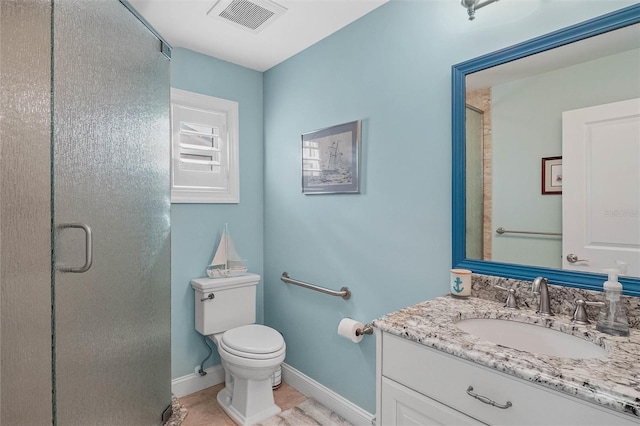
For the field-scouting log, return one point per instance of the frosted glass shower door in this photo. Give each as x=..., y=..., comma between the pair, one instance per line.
x=110, y=173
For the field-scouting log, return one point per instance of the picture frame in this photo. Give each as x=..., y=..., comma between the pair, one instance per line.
x=552, y=175
x=331, y=159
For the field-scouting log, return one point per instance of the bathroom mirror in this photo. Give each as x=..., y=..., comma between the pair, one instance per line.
x=499, y=166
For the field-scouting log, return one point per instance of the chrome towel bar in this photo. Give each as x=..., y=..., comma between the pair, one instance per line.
x=344, y=292
x=501, y=231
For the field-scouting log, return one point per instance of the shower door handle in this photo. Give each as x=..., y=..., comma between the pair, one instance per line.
x=88, y=256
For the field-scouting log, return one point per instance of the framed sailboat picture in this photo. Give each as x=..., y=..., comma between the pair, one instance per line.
x=331, y=160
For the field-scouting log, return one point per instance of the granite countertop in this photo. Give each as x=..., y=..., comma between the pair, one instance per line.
x=612, y=381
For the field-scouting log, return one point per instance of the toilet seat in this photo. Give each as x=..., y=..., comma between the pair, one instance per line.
x=253, y=341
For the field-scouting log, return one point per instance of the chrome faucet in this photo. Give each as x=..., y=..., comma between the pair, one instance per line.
x=511, y=301
x=540, y=287
x=580, y=314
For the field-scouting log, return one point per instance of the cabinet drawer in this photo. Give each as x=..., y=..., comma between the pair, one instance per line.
x=446, y=378
x=402, y=406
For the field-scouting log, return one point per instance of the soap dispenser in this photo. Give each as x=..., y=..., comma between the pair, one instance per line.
x=613, y=319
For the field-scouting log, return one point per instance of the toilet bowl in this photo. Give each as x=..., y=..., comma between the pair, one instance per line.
x=250, y=355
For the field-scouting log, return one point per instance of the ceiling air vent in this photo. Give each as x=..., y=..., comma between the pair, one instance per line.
x=252, y=15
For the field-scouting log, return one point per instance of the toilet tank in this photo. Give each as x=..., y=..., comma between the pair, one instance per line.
x=233, y=303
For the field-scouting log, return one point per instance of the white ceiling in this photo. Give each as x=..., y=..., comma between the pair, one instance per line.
x=185, y=23
x=588, y=49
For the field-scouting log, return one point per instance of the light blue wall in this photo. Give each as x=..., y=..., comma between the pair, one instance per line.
x=196, y=228
x=526, y=125
x=390, y=244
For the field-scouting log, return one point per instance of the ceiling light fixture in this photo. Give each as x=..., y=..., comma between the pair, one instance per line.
x=473, y=5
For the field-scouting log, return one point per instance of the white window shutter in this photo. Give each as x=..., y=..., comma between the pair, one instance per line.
x=204, y=149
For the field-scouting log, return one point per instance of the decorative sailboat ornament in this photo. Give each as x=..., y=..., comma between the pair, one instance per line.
x=226, y=262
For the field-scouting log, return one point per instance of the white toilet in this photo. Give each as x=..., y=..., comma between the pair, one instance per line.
x=250, y=353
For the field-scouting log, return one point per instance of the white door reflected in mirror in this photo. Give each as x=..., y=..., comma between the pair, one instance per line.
x=601, y=187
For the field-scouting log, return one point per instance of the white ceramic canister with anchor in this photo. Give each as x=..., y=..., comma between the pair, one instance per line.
x=460, y=282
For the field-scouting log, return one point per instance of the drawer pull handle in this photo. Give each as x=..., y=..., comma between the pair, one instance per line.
x=487, y=400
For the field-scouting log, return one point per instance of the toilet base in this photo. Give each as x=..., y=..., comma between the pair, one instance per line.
x=267, y=410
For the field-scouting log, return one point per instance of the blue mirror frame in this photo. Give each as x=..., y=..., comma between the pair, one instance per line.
x=611, y=21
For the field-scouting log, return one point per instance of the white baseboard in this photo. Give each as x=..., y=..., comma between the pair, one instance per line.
x=191, y=383
x=325, y=396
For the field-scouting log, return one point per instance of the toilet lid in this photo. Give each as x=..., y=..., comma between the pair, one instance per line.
x=253, y=339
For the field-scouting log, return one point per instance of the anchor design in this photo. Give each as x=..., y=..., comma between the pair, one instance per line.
x=457, y=287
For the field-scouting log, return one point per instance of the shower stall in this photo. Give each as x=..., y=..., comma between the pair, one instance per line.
x=474, y=170
x=84, y=216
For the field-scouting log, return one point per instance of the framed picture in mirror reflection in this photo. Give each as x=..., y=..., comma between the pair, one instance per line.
x=552, y=175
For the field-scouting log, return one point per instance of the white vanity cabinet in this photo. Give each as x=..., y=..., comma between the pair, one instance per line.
x=418, y=385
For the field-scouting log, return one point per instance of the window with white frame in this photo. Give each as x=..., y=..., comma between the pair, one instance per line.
x=204, y=149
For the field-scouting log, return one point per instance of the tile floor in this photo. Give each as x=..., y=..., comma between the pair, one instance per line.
x=202, y=408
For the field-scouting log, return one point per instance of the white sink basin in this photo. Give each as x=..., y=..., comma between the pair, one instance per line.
x=531, y=338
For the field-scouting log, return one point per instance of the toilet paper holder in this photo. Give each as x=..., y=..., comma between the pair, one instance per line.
x=367, y=329
x=353, y=330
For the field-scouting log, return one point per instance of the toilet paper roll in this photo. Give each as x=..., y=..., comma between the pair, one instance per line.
x=347, y=328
